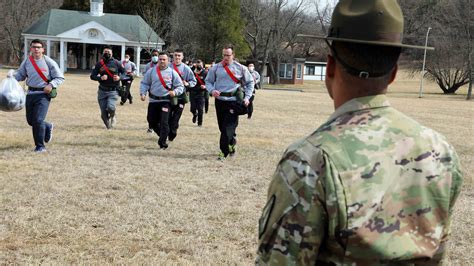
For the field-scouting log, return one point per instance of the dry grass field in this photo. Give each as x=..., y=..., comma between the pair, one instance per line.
x=112, y=197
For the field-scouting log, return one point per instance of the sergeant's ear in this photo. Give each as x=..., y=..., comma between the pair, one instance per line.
x=330, y=67
x=393, y=75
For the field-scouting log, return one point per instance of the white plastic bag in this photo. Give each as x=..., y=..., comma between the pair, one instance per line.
x=12, y=95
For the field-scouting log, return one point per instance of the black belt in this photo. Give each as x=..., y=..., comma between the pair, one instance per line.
x=167, y=97
x=35, y=89
x=227, y=94
x=104, y=88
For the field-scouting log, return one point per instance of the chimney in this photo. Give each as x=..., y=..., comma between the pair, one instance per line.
x=97, y=8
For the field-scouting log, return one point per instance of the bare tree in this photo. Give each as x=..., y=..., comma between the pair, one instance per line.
x=272, y=26
x=18, y=16
x=450, y=64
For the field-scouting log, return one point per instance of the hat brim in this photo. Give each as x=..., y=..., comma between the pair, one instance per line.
x=366, y=42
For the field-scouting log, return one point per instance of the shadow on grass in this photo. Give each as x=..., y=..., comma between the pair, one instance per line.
x=15, y=147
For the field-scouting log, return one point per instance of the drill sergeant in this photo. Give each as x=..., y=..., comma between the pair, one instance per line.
x=162, y=84
x=223, y=82
x=198, y=93
x=108, y=71
x=256, y=80
x=371, y=186
x=189, y=81
x=127, y=79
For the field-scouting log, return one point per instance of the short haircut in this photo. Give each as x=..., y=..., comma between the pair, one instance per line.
x=179, y=51
x=374, y=59
x=37, y=41
x=199, y=61
x=163, y=53
x=107, y=47
x=229, y=46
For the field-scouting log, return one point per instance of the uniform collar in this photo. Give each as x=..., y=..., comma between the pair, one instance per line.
x=362, y=103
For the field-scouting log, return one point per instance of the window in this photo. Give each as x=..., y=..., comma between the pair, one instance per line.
x=299, y=71
x=309, y=71
x=286, y=71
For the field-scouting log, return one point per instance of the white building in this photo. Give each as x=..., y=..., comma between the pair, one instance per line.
x=75, y=39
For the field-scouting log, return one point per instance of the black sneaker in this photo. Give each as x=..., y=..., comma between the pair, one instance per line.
x=171, y=137
x=121, y=103
x=48, y=136
x=194, y=119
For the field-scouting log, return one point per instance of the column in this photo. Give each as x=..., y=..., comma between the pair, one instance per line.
x=48, y=47
x=139, y=49
x=25, y=48
x=61, y=56
x=122, y=54
x=84, y=57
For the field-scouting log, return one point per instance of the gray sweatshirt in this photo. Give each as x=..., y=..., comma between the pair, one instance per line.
x=186, y=73
x=151, y=84
x=130, y=70
x=49, y=68
x=150, y=65
x=218, y=79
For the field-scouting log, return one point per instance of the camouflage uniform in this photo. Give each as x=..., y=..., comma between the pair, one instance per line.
x=371, y=186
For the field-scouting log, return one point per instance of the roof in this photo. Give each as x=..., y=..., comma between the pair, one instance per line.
x=57, y=21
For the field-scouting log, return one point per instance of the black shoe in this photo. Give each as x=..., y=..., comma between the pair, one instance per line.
x=194, y=119
x=130, y=101
x=121, y=103
x=171, y=137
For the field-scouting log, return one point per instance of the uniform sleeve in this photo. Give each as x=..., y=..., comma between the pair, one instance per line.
x=190, y=77
x=95, y=72
x=20, y=74
x=57, y=76
x=247, y=83
x=457, y=181
x=211, y=78
x=257, y=79
x=145, y=84
x=293, y=222
x=134, y=69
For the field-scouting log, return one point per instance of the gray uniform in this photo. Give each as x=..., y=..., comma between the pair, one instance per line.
x=37, y=102
x=218, y=79
x=151, y=84
x=49, y=68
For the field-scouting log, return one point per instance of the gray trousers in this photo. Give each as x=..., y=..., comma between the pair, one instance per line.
x=107, y=101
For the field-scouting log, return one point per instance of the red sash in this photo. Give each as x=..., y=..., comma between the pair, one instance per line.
x=158, y=71
x=40, y=73
x=105, y=67
x=199, y=79
x=177, y=70
x=231, y=75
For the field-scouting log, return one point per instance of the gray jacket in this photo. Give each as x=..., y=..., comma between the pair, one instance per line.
x=218, y=79
x=49, y=68
x=151, y=84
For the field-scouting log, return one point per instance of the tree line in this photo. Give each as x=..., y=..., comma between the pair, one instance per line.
x=265, y=31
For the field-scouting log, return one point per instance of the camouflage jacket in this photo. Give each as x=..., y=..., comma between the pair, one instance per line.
x=371, y=186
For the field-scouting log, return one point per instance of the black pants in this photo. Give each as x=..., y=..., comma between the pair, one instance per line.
x=228, y=122
x=175, y=115
x=158, y=117
x=127, y=94
x=197, y=106
x=206, y=104
x=36, y=110
x=250, y=106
